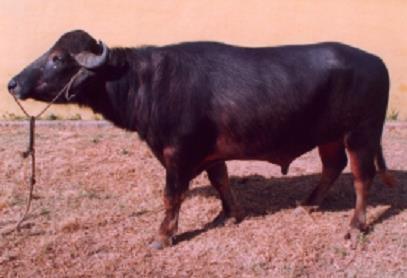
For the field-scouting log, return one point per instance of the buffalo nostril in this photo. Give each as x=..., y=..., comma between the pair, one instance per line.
x=12, y=85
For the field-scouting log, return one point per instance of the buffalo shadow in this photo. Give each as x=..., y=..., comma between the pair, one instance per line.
x=259, y=196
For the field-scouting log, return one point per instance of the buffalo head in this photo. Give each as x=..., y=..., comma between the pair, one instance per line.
x=46, y=76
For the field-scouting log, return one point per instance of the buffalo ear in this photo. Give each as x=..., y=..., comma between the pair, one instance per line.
x=90, y=60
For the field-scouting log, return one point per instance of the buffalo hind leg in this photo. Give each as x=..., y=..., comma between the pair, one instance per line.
x=218, y=176
x=174, y=194
x=334, y=160
x=362, y=149
x=363, y=170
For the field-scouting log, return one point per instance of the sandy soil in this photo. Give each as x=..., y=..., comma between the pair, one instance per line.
x=98, y=204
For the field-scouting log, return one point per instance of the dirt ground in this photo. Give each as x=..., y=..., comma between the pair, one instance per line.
x=98, y=204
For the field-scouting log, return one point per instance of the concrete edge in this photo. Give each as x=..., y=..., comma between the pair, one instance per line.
x=104, y=123
x=96, y=123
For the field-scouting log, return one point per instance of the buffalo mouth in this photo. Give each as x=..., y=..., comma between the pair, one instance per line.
x=38, y=93
x=19, y=93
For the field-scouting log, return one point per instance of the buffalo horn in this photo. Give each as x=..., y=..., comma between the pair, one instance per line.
x=91, y=61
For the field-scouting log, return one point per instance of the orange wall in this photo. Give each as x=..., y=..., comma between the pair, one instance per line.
x=29, y=27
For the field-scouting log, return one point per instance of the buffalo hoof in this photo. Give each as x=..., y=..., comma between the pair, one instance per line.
x=160, y=244
x=305, y=208
x=355, y=237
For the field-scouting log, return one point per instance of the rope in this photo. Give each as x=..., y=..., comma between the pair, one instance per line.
x=31, y=145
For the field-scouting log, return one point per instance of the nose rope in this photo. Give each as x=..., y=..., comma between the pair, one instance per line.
x=65, y=89
x=31, y=150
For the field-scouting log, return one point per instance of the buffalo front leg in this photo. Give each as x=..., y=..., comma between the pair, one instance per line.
x=174, y=194
x=218, y=176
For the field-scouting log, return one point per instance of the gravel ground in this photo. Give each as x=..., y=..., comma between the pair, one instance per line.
x=98, y=204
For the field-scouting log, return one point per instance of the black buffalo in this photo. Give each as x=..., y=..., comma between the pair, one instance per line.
x=200, y=104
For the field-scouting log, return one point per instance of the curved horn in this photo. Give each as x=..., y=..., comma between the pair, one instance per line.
x=91, y=61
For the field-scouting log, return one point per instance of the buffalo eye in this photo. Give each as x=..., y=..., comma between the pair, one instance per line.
x=57, y=59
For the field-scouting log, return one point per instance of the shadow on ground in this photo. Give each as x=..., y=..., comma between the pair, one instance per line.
x=261, y=196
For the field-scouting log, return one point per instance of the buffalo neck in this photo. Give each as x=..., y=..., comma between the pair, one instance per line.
x=120, y=92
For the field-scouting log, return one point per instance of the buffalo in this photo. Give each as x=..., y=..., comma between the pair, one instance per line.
x=199, y=104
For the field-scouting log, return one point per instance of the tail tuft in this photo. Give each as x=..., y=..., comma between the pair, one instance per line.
x=381, y=167
x=387, y=179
